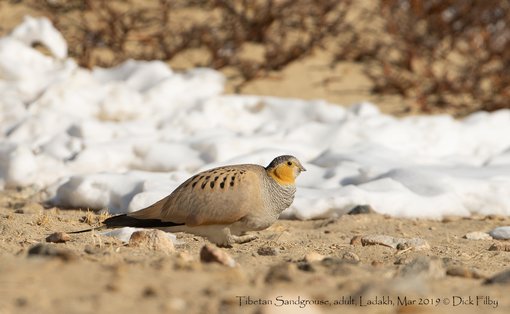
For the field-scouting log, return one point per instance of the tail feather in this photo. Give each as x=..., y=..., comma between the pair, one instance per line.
x=128, y=221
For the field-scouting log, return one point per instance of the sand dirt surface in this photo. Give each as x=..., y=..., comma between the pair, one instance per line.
x=294, y=266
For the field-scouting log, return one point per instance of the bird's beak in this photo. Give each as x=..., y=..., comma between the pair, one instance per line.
x=301, y=168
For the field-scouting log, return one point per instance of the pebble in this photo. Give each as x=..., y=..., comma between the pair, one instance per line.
x=356, y=240
x=281, y=272
x=48, y=250
x=464, y=272
x=501, y=233
x=89, y=249
x=58, y=237
x=152, y=239
x=268, y=251
x=402, y=260
x=314, y=257
x=499, y=246
x=477, y=235
x=361, y=209
x=424, y=266
x=350, y=256
x=213, y=254
x=500, y=278
x=397, y=243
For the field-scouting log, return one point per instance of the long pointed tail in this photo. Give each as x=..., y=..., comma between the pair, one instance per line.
x=128, y=221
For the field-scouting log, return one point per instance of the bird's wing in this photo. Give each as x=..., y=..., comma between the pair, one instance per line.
x=218, y=196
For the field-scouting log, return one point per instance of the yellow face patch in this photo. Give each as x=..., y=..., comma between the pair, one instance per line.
x=283, y=174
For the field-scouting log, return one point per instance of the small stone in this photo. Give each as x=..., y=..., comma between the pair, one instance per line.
x=47, y=250
x=424, y=266
x=460, y=271
x=416, y=244
x=500, y=278
x=281, y=272
x=213, y=254
x=89, y=249
x=350, y=256
x=477, y=235
x=499, y=246
x=152, y=239
x=314, y=257
x=361, y=209
x=305, y=266
x=501, y=233
x=268, y=251
x=149, y=292
x=356, y=240
x=58, y=237
x=403, y=246
x=376, y=263
x=402, y=260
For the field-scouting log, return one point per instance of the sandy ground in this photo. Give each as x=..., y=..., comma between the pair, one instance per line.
x=92, y=273
x=96, y=274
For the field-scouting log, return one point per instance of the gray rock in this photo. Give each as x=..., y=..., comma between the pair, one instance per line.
x=477, y=235
x=498, y=246
x=501, y=233
x=351, y=256
x=500, y=278
x=48, y=250
x=281, y=272
x=424, y=266
x=268, y=251
x=361, y=209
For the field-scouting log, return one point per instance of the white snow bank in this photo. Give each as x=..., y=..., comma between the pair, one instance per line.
x=124, y=137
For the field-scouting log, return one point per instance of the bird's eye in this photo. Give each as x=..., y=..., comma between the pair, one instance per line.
x=289, y=163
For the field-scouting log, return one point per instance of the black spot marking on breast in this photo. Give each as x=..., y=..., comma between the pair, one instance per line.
x=216, y=178
x=231, y=183
x=204, y=184
x=207, y=178
x=212, y=184
x=222, y=185
x=194, y=183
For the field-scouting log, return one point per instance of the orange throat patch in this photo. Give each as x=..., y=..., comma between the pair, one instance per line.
x=283, y=174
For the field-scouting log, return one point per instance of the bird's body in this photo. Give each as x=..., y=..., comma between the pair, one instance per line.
x=223, y=203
